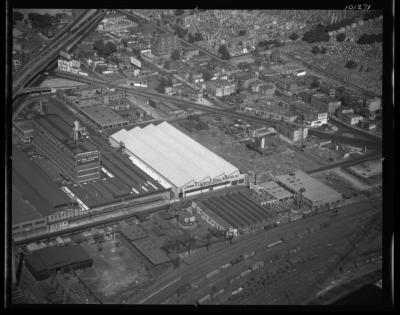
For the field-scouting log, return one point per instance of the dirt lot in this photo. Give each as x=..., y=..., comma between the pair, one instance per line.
x=282, y=161
x=114, y=270
x=337, y=181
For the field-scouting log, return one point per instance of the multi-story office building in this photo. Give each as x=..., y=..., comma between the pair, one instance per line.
x=164, y=45
x=64, y=145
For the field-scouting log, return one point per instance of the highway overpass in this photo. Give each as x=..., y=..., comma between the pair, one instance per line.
x=78, y=29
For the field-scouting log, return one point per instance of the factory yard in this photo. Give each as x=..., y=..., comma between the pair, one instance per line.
x=115, y=269
x=343, y=183
x=283, y=160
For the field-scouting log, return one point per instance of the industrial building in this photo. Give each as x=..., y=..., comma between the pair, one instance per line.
x=220, y=88
x=315, y=193
x=236, y=211
x=324, y=103
x=123, y=184
x=164, y=44
x=64, y=145
x=292, y=132
x=272, y=188
x=103, y=117
x=175, y=160
x=45, y=261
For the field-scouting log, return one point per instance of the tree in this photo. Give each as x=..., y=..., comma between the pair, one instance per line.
x=110, y=48
x=98, y=45
x=207, y=75
x=179, y=12
x=175, y=54
x=181, y=32
x=294, y=36
x=323, y=50
x=242, y=32
x=351, y=64
x=191, y=38
x=318, y=34
x=18, y=16
x=316, y=50
x=39, y=20
x=198, y=37
x=340, y=37
x=223, y=51
x=315, y=84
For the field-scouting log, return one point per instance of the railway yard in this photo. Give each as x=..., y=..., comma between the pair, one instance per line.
x=295, y=254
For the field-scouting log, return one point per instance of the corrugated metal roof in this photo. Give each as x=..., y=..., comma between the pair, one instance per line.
x=174, y=155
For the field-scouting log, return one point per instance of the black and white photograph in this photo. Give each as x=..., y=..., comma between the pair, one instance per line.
x=196, y=155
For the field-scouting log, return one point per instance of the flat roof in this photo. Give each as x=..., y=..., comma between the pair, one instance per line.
x=276, y=190
x=24, y=125
x=35, y=185
x=132, y=231
x=151, y=251
x=52, y=257
x=62, y=130
x=129, y=181
x=22, y=211
x=103, y=115
x=314, y=189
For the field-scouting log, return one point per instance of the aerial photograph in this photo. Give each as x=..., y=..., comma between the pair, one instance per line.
x=196, y=156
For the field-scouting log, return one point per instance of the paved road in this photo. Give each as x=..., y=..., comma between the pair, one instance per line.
x=223, y=254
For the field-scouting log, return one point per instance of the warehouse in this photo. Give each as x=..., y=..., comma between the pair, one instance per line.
x=238, y=210
x=175, y=159
x=103, y=117
x=45, y=261
x=36, y=186
x=154, y=257
x=315, y=195
x=64, y=145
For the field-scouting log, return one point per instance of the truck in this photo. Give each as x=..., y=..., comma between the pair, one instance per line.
x=248, y=255
x=212, y=273
x=204, y=299
x=225, y=266
x=274, y=243
x=218, y=293
x=245, y=273
x=236, y=292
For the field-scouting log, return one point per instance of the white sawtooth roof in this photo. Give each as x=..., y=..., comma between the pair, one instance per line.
x=174, y=155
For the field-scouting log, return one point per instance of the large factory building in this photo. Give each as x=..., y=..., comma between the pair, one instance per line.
x=64, y=145
x=175, y=160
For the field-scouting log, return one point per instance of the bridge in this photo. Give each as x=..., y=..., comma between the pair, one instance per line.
x=67, y=37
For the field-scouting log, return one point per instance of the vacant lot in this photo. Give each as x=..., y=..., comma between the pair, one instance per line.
x=281, y=161
x=114, y=270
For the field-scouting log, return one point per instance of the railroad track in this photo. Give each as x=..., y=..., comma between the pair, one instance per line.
x=221, y=256
x=226, y=112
